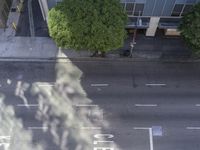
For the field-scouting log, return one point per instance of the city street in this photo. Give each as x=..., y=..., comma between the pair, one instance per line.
x=103, y=105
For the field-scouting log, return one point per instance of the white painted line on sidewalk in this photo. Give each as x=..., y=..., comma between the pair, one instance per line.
x=86, y=105
x=155, y=84
x=37, y=128
x=198, y=105
x=146, y=105
x=95, y=85
x=27, y=105
x=193, y=128
x=91, y=128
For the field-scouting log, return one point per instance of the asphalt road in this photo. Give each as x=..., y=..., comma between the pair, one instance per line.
x=129, y=105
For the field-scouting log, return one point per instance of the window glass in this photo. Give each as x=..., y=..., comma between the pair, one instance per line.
x=177, y=9
x=187, y=9
x=129, y=8
x=139, y=8
x=191, y=1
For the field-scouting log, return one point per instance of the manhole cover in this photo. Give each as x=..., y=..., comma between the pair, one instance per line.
x=157, y=130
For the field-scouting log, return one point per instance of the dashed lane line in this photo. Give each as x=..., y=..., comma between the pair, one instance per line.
x=155, y=84
x=99, y=85
x=146, y=105
x=91, y=128
x=193, y=128
x=37, y=128
x=27, y=105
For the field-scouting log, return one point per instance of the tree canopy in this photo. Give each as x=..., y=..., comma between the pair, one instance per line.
x=95, y=25
x=190, y=29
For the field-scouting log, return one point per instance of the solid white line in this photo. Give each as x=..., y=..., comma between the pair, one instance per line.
x=193, y=128
x=150, y=134
x=151, y=138
x=37, y=128
x=198, y=105
x=141, y=128
x=146, y=105
x=27, y=105
x=86, y=105
x=91, y=128
x=155, y=84
x=99, y=85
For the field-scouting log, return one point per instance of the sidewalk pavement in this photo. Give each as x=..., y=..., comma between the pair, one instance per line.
x=12, y=47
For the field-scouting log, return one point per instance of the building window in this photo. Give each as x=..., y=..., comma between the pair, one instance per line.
x=182, y=7
x=139, y=8
x=133, y=8
x=130, y=8
x=177, y=9
x=187, y=9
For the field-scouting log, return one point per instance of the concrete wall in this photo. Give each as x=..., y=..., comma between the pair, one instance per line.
x=153, y=25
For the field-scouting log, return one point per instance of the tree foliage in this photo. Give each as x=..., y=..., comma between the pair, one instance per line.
x=95, y=25
x=190, y=29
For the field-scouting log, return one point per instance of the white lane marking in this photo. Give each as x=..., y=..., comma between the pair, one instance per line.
x=140, y=128
x=91, y=128
x=28, y=105
x=146, y=105
x=151, y=138
x=37, y=128
x=193, y=128
x=198, y=105
x=155, y=84
x=150, y=135
x=86, y=105
x=41, y=84
x=95, y=85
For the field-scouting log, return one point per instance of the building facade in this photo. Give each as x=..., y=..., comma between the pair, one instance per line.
x=148, y=15
x=156, y=14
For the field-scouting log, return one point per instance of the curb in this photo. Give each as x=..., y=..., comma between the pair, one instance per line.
x=90, y=59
